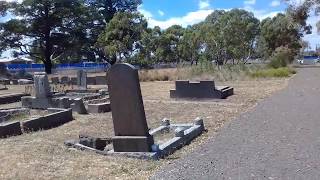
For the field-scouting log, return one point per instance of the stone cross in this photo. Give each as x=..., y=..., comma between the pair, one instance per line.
x=129, y=120
x=82, y=79
x=41, y=85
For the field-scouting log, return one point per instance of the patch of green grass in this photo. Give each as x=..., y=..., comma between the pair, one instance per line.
x=270, y=73
x=19, y=117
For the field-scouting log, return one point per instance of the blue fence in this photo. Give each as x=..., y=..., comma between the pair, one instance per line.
x=311, y=57
x=58, y=66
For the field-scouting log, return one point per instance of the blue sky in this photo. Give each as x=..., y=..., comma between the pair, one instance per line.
x=165, y=13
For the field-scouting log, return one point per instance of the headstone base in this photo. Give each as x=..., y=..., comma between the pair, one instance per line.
x=132, y=143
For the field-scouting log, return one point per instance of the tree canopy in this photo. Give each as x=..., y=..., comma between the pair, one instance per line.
x=50, y=30
x=113, y=31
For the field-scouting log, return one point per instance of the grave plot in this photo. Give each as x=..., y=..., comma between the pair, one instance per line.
x=45, y=98
x=3, y=86
x=99, y=105
x=202, y=89
x=81, y=78
x=11, y=98
x=132, y=135
x=16, y=121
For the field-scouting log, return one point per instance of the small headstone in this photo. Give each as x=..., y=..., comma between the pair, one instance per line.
x=129, y=120
x=64, y=80
x=14, y=81
x=64, y=103
x=55, y=80
x=82, y=79
x=41, y=85
x=78, y=106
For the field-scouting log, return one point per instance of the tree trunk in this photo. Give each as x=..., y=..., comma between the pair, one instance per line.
x=48, y=46
x=48, y=66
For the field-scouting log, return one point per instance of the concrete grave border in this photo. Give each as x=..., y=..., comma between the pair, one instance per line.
x=99, y=106
x=10, y=129
x=11, y=98
x=185, y=134
x=55, y=118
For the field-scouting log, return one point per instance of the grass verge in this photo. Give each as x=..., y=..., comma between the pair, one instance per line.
x=208, y=71
x=273, y=73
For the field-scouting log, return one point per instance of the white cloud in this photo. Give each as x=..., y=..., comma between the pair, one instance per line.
x=161, y=13
x=196, y=17
x=146, y=14
x=314, y=38
x=189, y=19
x=204, y=4
x=275, y=3
x=261, y=14
x=249, y=2
x=19, y=1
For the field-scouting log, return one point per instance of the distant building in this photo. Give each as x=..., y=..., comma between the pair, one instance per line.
x=18, y=60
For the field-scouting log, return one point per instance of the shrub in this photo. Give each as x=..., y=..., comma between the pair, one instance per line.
x=269, y=73
x=281, y=57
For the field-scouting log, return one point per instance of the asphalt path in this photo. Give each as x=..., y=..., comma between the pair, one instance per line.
x=279, y=139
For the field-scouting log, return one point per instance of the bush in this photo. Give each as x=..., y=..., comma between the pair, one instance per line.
x=158, y=75
x=269, y=73
x=281, y=57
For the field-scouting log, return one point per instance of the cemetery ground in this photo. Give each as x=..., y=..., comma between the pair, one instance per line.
x=42, y=155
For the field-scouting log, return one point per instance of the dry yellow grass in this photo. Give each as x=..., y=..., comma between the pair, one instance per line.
x=42, y=155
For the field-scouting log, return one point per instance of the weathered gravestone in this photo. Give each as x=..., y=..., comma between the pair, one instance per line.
x=82, y=79
x=78, y=106
x=129, y=120
x=55, y=80
x=64, y=80
x=42, y=92
x=41, y=85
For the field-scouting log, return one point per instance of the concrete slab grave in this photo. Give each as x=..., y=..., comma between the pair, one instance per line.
x=132, y=135
x=202, y=89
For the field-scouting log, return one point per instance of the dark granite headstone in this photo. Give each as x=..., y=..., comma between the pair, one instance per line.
x=129, y=120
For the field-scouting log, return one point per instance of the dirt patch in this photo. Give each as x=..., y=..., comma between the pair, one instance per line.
x=42, y=155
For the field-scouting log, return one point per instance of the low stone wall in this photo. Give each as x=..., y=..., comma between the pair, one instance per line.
x=59, y=117
x=11, y=98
